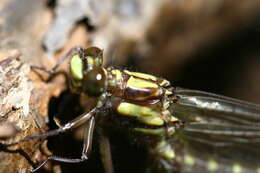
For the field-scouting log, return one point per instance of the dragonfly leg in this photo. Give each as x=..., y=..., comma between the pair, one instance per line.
x=87, y=145
x=59, y=159
x=60, y=61
x=72, y=124
x=105, y=151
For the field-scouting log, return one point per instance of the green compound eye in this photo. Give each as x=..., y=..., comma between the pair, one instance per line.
x=93, y=58
x=76, y=67
x=94, y=82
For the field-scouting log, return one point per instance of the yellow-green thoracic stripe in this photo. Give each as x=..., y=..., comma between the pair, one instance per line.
x=140, y=83
x=144, y=114
x=148, y=77
x=141, y=75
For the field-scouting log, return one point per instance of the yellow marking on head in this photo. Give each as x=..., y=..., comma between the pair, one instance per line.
x=237, y=168
x=212, y=165
x=189, y=160
x=258, y=170
x=139, y=83
x=98, y=61
x=76, y=67
x=141, y=75
x=90, y=61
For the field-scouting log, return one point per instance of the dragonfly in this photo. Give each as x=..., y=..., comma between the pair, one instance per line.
x=183, y=130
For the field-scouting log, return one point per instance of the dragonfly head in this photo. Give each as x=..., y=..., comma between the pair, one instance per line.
x=87, y=73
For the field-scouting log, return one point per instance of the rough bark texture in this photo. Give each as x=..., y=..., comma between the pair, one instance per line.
x=23, y=105
x=19, y=108
x=24, y=96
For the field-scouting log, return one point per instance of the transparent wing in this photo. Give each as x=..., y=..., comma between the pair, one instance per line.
x=220, y=134
x=193, y=105
x=206, y=147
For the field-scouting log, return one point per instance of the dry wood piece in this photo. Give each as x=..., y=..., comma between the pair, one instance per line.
x=19, y=116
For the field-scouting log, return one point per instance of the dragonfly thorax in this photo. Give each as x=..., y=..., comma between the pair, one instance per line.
x=137, y=95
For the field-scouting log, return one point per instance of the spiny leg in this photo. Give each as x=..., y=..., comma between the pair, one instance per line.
x=71, y=124
x=60, y=61
x=86, y=147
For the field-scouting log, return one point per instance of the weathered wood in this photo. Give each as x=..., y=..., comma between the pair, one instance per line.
x=24, y=102
x=19, y=108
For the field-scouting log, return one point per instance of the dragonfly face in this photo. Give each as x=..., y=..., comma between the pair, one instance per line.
x=87, y=73
x=192, y=131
